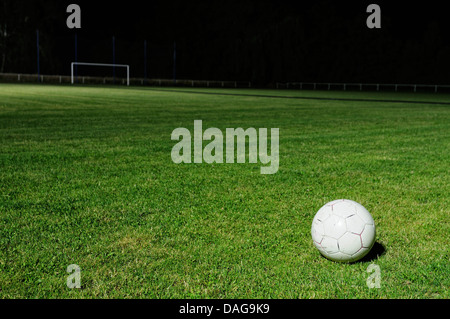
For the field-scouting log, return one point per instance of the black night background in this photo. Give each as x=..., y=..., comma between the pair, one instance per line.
x=260, y=41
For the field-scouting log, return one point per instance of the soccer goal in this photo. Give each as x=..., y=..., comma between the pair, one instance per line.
x=102, y=65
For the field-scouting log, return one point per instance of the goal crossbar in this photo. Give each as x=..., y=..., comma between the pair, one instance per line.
x=99, y=64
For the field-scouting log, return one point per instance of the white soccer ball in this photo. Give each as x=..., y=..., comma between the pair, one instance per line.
x=343, y=230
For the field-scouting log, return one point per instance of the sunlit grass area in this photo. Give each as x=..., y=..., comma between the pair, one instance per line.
x=86, y=178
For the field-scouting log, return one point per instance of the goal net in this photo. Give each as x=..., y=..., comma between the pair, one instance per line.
x=74, y=64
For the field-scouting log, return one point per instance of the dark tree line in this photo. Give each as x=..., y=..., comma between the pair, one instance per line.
x=260, y=41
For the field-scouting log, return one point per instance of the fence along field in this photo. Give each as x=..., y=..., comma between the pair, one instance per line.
x=109, y=80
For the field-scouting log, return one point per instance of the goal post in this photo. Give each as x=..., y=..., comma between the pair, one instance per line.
x=99, y=64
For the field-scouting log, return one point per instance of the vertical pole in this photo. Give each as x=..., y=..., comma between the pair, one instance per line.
x=174, y=63
x=145, y=61
x=128, y=75
x=37, y=46
x=76, y=57
x=114, y=58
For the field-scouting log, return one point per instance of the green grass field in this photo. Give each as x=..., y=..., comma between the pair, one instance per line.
x=86, y=178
